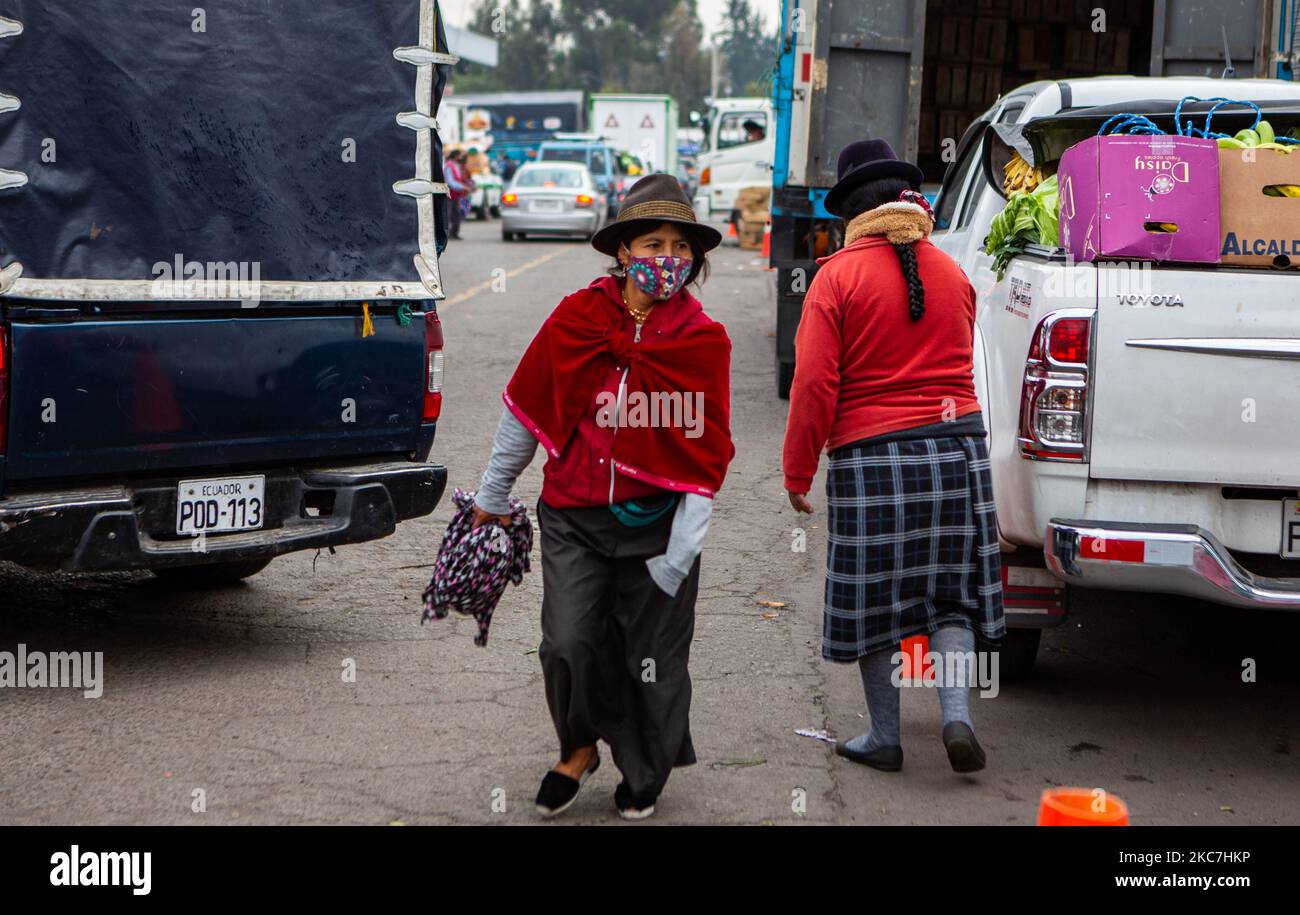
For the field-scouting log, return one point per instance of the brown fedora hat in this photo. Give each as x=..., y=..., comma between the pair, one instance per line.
x=656, y=198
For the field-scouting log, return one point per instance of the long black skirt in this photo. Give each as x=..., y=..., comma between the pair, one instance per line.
x=615, y=646
x=913, y=544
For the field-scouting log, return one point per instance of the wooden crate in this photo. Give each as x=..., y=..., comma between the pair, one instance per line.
x=952, y=122
x=1081, y=49
x=989, y=45
x=955, y=40
x=1033, y=47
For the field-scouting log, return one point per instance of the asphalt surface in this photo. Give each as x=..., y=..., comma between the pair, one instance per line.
x=240, y=693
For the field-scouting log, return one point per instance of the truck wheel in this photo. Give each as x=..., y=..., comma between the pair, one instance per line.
x=784, y=378
x=1019, y=653
x=495, y=211
x=507, y=236
x=215, y=575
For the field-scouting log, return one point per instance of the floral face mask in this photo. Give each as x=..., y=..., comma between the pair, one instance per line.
x=660, y=276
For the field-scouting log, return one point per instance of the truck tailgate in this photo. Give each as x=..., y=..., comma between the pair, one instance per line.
x=1199, y=381
x=138, y=394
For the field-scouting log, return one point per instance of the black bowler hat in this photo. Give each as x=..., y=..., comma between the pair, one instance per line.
x=656, y=198
x=865, y=160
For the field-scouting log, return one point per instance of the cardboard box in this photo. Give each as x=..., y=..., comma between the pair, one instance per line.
x=753, y=198
x=1118, y=192
x=751, y=235
x=1258, y=230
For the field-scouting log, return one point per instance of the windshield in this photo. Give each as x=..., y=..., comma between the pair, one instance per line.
x=549, y=177
x=562, y=154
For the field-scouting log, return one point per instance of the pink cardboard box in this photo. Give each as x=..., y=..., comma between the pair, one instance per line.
x=1123, y=196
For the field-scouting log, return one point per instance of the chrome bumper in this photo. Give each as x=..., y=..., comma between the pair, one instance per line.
x=1172, y=559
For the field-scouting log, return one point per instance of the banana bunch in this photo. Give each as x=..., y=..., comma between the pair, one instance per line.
x=1018, y=175
x=1282, y=190
x=1262, y=137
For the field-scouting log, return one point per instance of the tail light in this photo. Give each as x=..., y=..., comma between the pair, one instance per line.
x=704, y=175
x=583, y=200
x=510, y=199
x=432, y=366
x=1054, y=397
x=4, y=389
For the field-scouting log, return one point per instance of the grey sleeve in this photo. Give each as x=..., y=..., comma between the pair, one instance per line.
x=512, y=450
x=690, y=525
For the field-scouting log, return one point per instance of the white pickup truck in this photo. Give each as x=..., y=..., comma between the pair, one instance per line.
x=1144, y=422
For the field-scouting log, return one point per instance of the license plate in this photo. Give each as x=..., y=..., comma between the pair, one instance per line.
x=545, y=206
x=1291, y=528
x=215, y=506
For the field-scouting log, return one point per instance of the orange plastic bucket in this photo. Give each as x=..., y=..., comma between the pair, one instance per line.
x=1081, y=807
x=914, y=665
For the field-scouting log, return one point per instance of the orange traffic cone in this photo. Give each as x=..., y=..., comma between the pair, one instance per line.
x=731, y=230
x=1081, y=807
x=914, y=665
x=766, y=253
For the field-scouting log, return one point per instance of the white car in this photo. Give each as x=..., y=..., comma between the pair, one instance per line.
x=1142, y=420
x=552, y=198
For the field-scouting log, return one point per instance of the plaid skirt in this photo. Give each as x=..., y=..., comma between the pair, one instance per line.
x=913, y=544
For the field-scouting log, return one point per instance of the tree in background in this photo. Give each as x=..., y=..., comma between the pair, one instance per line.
x=593, y=45
x=748, y=52
x=526, y=34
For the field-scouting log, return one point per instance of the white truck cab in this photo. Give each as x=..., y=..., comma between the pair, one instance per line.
x=1141, y=417
x=739, y=147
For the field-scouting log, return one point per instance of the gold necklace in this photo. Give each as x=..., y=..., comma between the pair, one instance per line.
x=638, y=314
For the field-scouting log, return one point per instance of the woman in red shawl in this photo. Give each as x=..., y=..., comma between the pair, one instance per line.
x=626, y=386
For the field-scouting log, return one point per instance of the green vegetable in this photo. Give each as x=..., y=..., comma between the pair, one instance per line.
x=1027, y=219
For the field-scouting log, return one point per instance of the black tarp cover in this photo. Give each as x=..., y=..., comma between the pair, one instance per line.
x=216, y=132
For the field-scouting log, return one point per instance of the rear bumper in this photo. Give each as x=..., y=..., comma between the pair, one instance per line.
x=578, y=223
x=1172, y=559
x=132, y=526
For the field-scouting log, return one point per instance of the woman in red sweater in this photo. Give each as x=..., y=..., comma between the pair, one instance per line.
x=883, y=381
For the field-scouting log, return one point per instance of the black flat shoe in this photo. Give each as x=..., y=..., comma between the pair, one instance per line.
x=964, y=751
x=631, y=807
x=558, y=792
x=886, y=759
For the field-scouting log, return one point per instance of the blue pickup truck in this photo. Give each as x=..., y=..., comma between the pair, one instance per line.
x=219, y=240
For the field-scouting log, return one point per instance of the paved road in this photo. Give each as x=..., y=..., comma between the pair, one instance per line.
x=240, y=693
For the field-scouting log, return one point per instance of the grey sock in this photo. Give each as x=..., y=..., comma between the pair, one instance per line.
x=955, y=700
x=882, y=703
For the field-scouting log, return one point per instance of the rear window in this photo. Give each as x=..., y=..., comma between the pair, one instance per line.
x=549, y=177
x=560, y=154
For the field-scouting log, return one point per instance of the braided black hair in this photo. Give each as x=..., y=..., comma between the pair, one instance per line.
x=868, y=197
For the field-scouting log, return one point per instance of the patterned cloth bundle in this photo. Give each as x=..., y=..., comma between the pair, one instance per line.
x=474, y=564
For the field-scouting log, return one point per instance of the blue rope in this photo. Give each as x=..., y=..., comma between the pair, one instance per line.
x=1142, y=125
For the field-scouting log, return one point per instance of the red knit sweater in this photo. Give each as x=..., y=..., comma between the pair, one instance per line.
x=863, y=367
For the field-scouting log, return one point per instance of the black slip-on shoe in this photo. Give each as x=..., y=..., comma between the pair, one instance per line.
x=886, y=759
x=631, y=807
x=558, y=792
x=964, y=751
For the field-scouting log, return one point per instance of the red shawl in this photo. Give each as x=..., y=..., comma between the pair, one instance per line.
x=565, y=365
